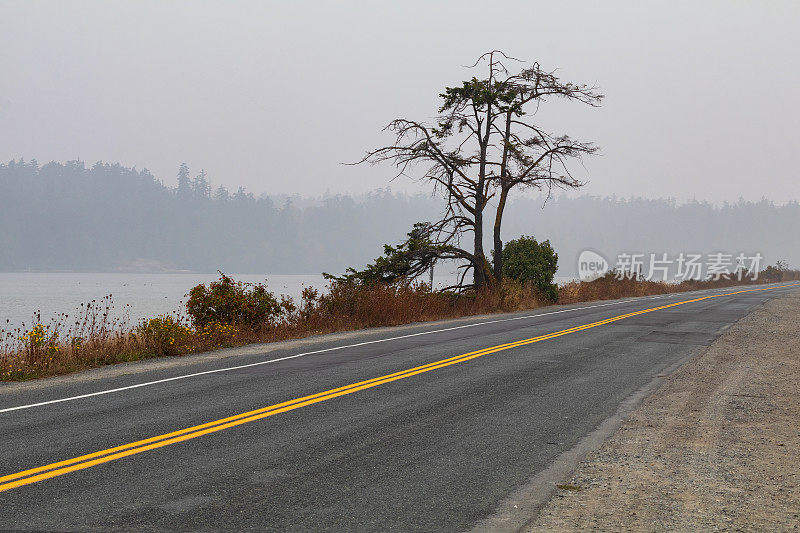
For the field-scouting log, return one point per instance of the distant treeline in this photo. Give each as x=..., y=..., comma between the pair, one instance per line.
x=107, y=217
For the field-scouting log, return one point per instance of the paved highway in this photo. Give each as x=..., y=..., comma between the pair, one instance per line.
x=429, y=427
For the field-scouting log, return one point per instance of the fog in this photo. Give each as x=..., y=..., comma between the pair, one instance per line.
x=274, y=96
x=72, y=217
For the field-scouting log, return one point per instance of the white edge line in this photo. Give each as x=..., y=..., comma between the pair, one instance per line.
x=258, y=363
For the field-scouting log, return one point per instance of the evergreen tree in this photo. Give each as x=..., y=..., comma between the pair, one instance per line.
x=221, y=194
x=184, y=182
x=200, y=186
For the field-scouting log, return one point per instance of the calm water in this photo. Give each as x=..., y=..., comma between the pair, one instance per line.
x=22, y=294
x=148, y=295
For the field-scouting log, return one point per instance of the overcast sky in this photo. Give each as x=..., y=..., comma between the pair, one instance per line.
x=701, y=97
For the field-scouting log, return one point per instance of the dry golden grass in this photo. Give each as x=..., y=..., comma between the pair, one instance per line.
x=94, y=339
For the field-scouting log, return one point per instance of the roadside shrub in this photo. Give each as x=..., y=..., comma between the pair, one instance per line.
x=217, y=335
x=164, y=335
x=527, y=261
x=227, y=301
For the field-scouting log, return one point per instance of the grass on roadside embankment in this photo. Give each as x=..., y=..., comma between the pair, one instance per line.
x=228, y=313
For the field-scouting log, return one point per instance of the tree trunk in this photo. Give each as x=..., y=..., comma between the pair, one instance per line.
x=501, y=203
x=498, y=243
x=480, y=257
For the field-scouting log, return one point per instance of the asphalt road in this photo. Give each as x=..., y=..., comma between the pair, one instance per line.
x=434, y=449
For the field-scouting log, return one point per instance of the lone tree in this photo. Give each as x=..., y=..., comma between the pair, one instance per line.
x=484, y=145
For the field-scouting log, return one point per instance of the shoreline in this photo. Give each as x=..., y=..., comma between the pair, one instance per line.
x=96, y=337
x=171, y=361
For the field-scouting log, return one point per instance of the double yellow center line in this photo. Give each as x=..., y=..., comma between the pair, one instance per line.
x=33, y=475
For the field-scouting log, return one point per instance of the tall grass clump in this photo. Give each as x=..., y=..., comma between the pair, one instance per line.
x=90, y=337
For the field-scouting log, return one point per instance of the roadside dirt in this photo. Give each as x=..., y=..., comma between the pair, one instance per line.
x=716, y=448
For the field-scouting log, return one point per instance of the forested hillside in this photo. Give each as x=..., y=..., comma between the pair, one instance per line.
x=108, y=218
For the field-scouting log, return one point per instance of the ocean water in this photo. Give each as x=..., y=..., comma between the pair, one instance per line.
x=135, y=296
x=145, y=295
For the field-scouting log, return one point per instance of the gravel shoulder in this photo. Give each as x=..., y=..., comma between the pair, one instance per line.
x=717, y=447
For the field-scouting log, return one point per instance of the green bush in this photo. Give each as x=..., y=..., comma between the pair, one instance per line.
x=528, y=261
x=232, y=302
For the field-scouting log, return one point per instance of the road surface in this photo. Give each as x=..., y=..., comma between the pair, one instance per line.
x=428, y=427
